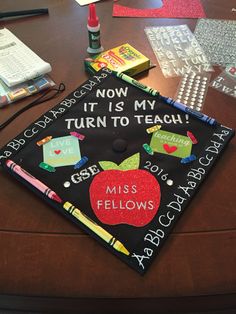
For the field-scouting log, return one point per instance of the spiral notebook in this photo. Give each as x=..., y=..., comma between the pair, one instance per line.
x=120, y=163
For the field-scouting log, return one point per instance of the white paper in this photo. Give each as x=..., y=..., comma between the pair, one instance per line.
x=18, y=63
x=85, y=2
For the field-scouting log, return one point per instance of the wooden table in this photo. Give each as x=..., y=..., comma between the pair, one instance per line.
x=47, y=263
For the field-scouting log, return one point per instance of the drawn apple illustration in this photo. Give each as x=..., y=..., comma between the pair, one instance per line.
x=124, y=194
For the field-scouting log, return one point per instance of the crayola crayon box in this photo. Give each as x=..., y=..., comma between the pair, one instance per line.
x=124, y=58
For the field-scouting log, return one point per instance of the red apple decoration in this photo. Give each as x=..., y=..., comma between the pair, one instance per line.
x=125, y=194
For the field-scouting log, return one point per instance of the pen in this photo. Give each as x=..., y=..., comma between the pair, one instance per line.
x=102, y=233
x=40, y=186
x=199, y=115
x=24, y=12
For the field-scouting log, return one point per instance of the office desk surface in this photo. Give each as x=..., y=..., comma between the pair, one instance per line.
x=44, y=255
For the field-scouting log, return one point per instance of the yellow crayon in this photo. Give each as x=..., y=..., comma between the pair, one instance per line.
x=153, y=129
x=102, y=233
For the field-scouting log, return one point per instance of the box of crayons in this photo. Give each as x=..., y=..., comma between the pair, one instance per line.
x=124, y=58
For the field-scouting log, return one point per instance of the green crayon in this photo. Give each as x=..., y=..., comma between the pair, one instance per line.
x=148, y=149
x=132, y=81
x=47, y=167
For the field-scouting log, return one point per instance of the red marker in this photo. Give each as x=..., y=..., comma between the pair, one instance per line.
x=192, y=137
x=94, y=31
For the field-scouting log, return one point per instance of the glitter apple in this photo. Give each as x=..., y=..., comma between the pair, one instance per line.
x=124, y=194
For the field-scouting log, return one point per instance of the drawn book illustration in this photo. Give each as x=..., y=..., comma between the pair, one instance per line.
x=120, y=163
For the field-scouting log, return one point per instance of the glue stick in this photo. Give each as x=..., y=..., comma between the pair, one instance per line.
x=93, y=31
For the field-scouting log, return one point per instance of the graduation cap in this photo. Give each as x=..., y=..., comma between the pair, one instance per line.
x=119, y=162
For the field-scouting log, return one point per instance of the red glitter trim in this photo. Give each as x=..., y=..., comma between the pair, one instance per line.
x=170, y=9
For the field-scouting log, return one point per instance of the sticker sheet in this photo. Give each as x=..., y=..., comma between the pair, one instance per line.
x=166, y=9
x=177, y=50
x=120, y=163
x=217, y=38
x=226, y=81
x=192, y=90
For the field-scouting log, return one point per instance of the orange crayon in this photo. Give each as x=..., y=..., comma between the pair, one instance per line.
x=44, y=140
